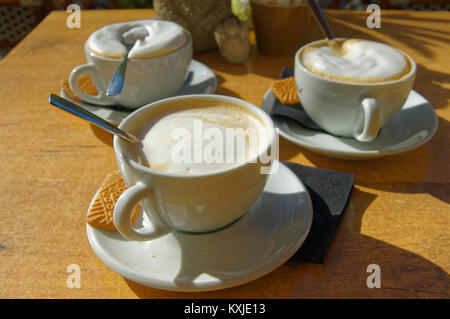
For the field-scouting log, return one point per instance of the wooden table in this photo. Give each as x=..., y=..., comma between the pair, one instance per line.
x=52, y=164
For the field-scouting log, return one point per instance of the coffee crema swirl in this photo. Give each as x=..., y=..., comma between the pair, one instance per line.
x=355, y=60
x=197, y=139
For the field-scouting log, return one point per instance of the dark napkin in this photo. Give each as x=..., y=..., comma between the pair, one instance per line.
x=294, y=112
x=330, y=192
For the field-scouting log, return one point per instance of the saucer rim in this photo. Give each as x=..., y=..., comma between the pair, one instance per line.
x=353, y=155
x=130, y=274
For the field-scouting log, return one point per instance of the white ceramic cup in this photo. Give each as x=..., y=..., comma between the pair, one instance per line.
x=346, y=109
x=191, y=203
x=146, y=80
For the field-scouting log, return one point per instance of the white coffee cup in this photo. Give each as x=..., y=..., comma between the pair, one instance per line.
x=348, y=109
x=192, y=203
x=146, y=79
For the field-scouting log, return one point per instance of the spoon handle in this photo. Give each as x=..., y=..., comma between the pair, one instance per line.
x=320, y=18
x=116, y=83
x=85, y=114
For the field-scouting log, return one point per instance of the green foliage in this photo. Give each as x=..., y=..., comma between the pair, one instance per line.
x=241, y=9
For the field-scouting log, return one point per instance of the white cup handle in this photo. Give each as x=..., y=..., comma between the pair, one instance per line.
x=369, y=121
x=124, y=208
x=100, y=98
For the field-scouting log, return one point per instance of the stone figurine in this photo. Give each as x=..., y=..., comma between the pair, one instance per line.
x=212, y=25
x=232, y=37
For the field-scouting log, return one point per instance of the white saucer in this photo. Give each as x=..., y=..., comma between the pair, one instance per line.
x=201, y=80
x=263, y=239
x=412, y=127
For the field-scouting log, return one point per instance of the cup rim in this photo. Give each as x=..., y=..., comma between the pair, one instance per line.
x=118, y=142
x=411, y=73
x=100, y=57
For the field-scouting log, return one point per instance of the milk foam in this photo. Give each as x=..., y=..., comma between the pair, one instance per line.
x=195, y=140
x=161, y=37
x=357, y=60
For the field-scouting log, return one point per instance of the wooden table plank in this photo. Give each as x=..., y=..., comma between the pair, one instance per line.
x=52, y=164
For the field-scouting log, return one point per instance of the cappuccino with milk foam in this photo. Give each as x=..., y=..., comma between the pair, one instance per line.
x=356, y=61
x=151, y=38
x=203, y=137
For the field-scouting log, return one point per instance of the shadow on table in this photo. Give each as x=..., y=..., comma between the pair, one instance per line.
x=224, y=91
x=102, y=135
x=413, y=34
x=343, y=275
x=430, y=84
x=410, y=172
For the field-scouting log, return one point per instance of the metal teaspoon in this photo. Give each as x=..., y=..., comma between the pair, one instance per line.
x=85, y=114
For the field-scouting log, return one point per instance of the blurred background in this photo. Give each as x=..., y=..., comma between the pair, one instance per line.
x=19, y=17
